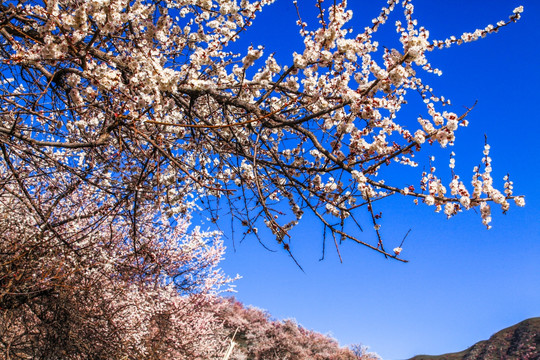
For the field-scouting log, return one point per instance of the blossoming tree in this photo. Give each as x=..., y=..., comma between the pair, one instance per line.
x=144, y=101
x=120, y=117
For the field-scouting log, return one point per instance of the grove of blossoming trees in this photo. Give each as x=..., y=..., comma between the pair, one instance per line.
x=257, y=336
x=120, y=117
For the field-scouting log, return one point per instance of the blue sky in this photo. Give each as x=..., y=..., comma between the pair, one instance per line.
x=463, y=282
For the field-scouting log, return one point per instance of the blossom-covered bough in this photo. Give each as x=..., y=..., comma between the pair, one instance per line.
x=143, y=102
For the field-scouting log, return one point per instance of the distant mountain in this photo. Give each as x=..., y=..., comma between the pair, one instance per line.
x=518, y=342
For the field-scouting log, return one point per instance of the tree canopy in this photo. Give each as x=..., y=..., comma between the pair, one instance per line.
x=143, y=102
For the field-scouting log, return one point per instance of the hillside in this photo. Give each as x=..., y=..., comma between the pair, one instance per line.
x=517, y=342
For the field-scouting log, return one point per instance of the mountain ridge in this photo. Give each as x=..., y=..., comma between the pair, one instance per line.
x=517, y=342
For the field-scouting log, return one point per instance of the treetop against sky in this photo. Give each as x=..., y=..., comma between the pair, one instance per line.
x=145, y=101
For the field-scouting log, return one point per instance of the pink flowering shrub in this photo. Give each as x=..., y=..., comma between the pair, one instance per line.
x=89, y=288
x=257, y=336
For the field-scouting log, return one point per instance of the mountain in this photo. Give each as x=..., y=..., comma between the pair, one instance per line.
x=518, y=342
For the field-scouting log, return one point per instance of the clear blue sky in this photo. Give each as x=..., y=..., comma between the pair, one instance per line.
x=463, y=282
